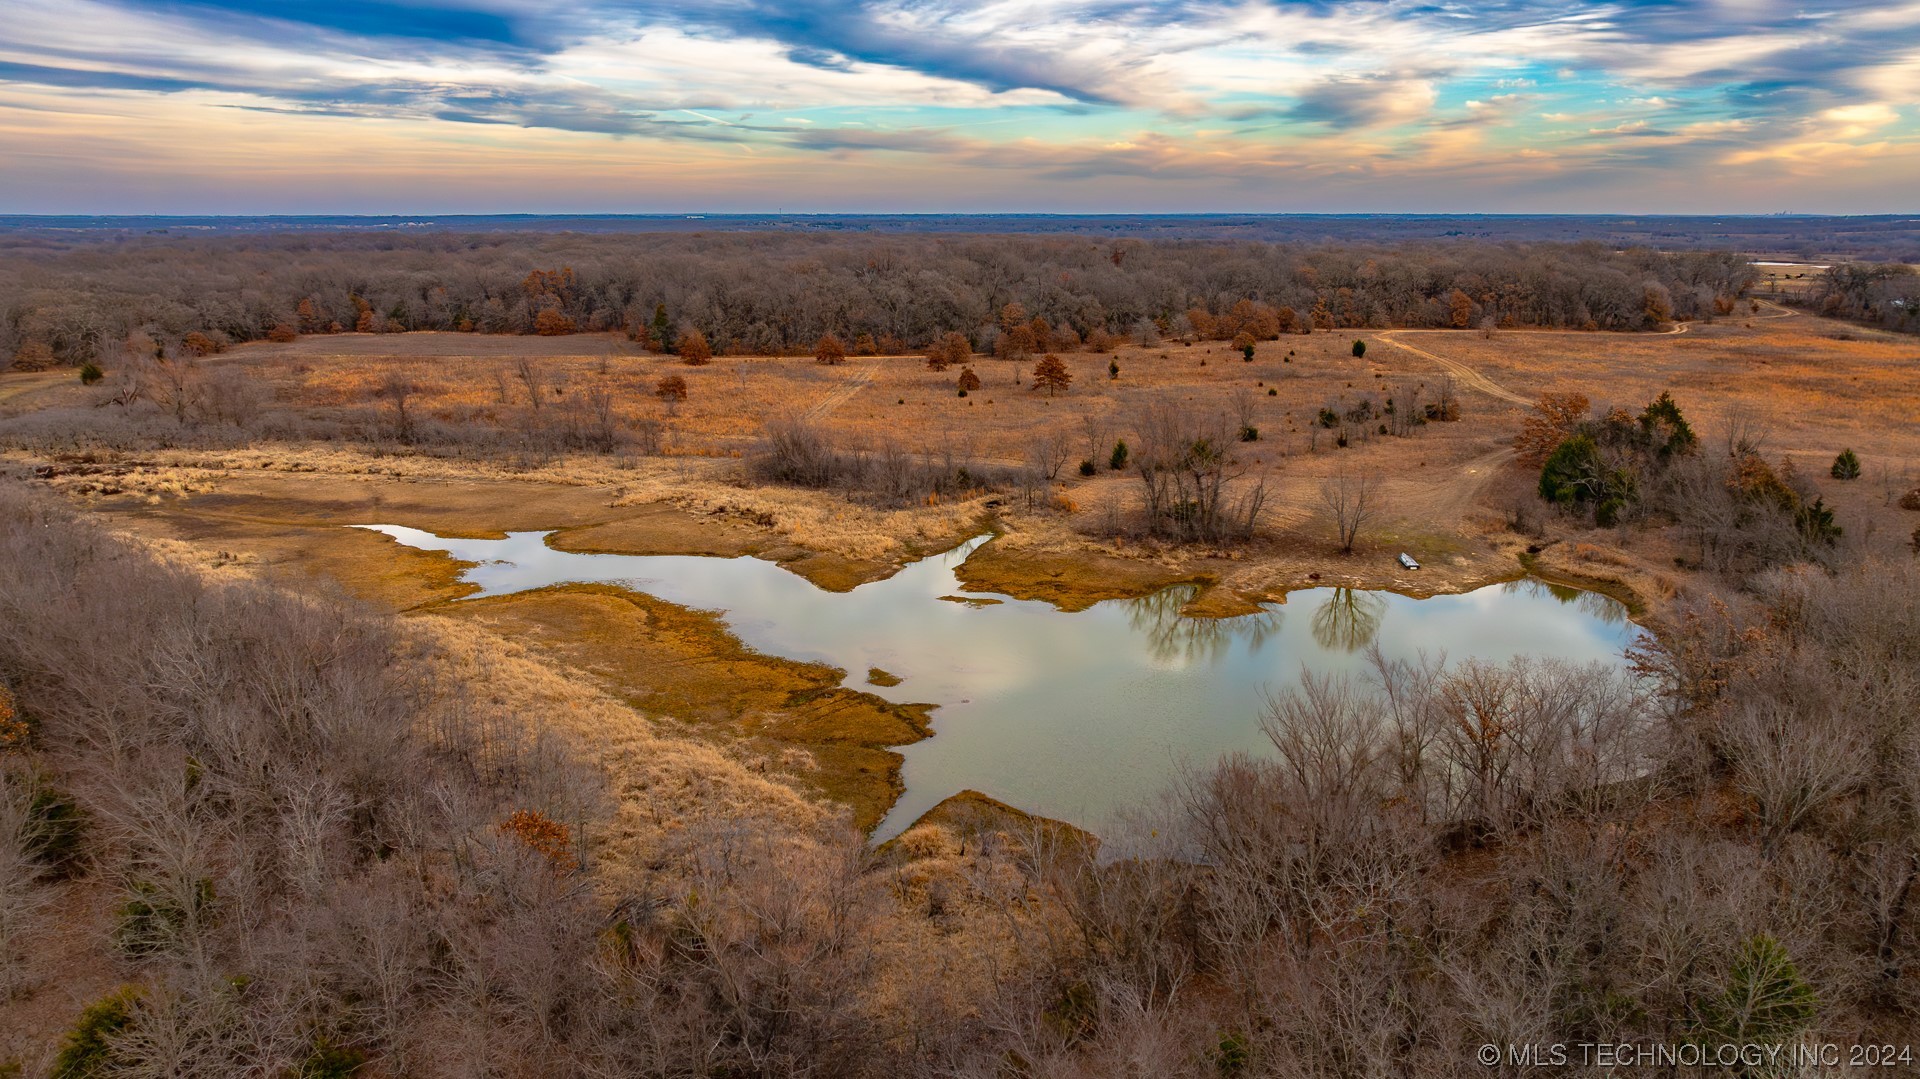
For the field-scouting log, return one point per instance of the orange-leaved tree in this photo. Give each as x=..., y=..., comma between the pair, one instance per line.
x=694, y=348
x=1554, y=418
x=949, y=349
x=552, y=322
x=829, y=350
x=1459, y=309
x=1051, y=373
x=968, y=380
x=544, y=836
x=13, y=728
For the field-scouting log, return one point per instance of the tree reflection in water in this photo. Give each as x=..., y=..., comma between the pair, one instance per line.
x=1594, y=604
x=1348, y=620
x=1172, y=636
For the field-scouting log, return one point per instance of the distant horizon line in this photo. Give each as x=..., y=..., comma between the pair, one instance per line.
x=1088, y=215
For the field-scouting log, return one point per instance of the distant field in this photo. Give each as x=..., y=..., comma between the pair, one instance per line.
x=1774, y=236
x=873, y=401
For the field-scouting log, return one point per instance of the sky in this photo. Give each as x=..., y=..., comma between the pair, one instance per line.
x=890, y=106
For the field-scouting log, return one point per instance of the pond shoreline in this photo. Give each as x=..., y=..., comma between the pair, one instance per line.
x=1062, y=711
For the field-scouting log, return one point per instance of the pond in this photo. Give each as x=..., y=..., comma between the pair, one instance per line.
x=1069, y=715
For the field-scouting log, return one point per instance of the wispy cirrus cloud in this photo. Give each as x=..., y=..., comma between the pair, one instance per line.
x=1112, y=99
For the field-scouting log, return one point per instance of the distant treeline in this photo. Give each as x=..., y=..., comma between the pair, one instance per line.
x=764, y=294
x=1887, y=294
x=1887, y=237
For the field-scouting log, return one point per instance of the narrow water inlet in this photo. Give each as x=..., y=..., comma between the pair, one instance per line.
x=1071, y=715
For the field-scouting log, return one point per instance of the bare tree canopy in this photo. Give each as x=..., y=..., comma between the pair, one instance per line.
x=770, y=293
x=1352, y=500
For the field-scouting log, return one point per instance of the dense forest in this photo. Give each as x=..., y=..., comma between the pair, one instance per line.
x=768, y=294
x=319, y=847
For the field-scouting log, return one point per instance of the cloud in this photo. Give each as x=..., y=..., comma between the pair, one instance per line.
x=1853, y=121
x=364, y=18
x=1364, y=101
x=843, y=139
x=1086, y=91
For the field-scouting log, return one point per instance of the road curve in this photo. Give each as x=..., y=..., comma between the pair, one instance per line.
x=1473, y=379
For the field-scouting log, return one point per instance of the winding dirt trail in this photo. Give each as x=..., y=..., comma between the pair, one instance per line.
x=1473, y=379
x=855, y=381
x=1466, y=376
x=21, y=383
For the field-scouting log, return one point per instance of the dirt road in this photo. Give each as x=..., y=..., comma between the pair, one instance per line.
x=856, y=380
x=1473, y=379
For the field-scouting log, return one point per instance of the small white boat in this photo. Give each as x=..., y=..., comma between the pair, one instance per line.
x=1407, y=561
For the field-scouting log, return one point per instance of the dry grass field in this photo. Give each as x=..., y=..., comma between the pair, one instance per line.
x=1447, y=490
x=873, y=401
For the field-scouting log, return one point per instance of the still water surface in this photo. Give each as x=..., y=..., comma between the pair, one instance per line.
x=1070, y=715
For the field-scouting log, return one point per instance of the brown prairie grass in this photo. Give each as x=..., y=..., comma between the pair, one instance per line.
x=1807, y=388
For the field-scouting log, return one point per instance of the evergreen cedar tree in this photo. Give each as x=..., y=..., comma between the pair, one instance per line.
x=662, y=329
x=828, y=350
x=1606, y=463
x=694, y=349
x=1051, y=373
x=968, y=380
x=1846, y=466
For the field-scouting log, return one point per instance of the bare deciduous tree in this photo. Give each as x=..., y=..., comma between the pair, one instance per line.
x=1352, y=500
x=1189, y=469
x=397, y=390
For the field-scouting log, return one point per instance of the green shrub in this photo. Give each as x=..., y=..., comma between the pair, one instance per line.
x=1764, y=1001
x=1113, y=368
x=1359, y=350
x=58, y=826
x=1846, y=466
x=90, y=373
x=329, y=1061
x=1565, y=478
x=1249, y=433
x=1233, y=1055
x=1816, y=522
x=1088, y=468
x=152, y=921
x=1666, y=429
x=1118, y=461
x=88, y=1049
